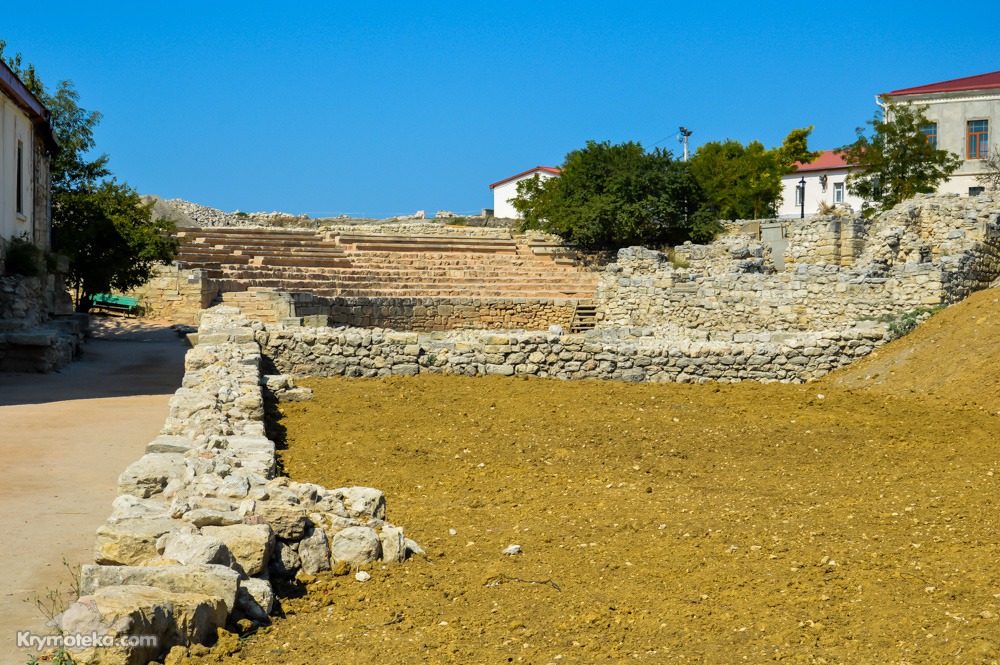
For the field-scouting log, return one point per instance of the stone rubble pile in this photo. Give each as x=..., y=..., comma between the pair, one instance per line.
x=202, y=525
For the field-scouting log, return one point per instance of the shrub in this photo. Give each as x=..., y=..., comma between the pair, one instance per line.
x=23, y=258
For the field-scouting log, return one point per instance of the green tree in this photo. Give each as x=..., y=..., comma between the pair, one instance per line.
x=612, y=196
x=894, y=160
x=744, y=182
x=102, y=226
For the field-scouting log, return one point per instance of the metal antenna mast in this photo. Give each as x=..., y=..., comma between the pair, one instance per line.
x=683, y=138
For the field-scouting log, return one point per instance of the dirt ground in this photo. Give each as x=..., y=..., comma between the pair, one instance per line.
x=64, y=438
x=851, y=520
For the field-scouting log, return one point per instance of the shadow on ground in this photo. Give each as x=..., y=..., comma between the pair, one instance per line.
x=124, y=357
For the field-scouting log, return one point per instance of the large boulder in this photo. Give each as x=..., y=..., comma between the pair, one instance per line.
x=287, y=520
x=393, y=544
x=164, y=617
x=314, y=551
x=219, y=581
x=254, y=600
x=129, y=542
x=251, y=544
x=150, y=474
x=356, y=545
x=362, y=502
x=195, y=548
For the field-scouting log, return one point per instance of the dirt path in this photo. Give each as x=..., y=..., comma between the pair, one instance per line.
x=64, y=439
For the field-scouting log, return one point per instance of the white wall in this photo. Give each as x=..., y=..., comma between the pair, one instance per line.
x=502, y=194
x=814, y=191
x=14, y=126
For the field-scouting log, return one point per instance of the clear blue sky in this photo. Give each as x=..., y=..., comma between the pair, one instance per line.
x=386, y=108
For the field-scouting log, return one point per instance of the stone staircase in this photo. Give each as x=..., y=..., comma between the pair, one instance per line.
x=361, y=265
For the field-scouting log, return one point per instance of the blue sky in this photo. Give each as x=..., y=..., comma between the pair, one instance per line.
x=329, y=108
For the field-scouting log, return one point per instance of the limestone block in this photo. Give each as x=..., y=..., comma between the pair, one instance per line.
x=250, y=544
x=287, y=520
x=119, y=611
x=356, y=545
x=218, y=581
x=255, y=599
x=314, y=551
x=195, y=548
x=393, y=544
x=129, y=542
x=362, y=502
x=150, y=474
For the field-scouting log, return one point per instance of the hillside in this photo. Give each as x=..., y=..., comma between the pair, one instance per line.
x=954, y=356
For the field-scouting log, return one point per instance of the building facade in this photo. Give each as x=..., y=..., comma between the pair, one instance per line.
x=506, y=190
x=824, y=185
x=964, y=115
x=26, y=142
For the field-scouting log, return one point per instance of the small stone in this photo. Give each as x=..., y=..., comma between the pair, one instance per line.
x=362, y=576
x=512, y=550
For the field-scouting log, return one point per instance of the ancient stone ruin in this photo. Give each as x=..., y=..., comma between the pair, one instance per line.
x=202, y=526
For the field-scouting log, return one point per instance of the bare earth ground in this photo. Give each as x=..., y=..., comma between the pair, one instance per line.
x=64, y=439
x=851, y=520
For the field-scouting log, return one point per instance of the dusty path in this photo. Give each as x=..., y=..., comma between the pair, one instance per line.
x=64, y=438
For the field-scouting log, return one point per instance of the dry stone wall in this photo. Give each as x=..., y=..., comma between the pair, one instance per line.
x=175, y=295
x=31, y=340
x=203, y=525
x=925, y=252
x=624, y=355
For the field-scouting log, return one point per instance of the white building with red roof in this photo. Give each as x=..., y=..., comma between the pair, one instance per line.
x=824, y=181
x=964, y=115
x=506, y=189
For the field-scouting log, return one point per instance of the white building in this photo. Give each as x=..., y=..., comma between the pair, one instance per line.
x=824, y=183
x=25, y=145
x=506, y=189
x=963, y=113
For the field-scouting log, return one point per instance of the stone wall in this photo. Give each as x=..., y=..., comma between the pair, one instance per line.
x=633, y=355
x=202, y=524
x=31, y=340
x=175, y=295
x=925, y=252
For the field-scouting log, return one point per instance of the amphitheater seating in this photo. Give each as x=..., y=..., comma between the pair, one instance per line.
x=371, y=265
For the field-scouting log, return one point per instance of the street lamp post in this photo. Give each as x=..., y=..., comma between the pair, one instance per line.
x=802, y=198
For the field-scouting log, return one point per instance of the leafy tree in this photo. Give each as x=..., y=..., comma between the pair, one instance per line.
x=744, y=182
x=894, y=160
x=612, y=196
x=108, y=234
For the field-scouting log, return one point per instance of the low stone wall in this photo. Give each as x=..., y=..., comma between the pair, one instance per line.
x=202, y=525
x=30, y=339
x=433, y=314
x=617, y=355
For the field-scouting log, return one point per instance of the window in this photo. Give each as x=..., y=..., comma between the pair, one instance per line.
x=20, y=178
x=798, y=194
x=930, y=131
x=979, y=139
x=976, y=191
x=838, y=192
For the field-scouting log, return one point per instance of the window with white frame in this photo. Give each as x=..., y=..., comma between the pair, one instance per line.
x=838, y=192
x=798, y=195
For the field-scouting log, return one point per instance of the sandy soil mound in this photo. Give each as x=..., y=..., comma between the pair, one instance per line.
x=954, y=355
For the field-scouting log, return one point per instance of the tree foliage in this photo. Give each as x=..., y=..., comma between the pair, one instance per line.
x=894, y=159
x=611, y=196
x=990, y=177
x=102, y=226
x=744, y=182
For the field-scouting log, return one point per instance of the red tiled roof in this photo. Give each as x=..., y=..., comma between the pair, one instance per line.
x=827, y=159
x=545, y=169
x=979, y=82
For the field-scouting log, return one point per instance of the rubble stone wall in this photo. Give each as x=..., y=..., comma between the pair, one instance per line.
x=30, y=339
x=618, y=355
x=928, y=251
x=202, y=523
x=176, y=295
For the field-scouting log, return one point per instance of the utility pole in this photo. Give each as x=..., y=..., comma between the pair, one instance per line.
x=683, y=138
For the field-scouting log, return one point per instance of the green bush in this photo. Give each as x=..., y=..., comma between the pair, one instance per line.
x=23, y=258
x=903, y=324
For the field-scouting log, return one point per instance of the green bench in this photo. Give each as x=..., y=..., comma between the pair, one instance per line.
x=113, y=303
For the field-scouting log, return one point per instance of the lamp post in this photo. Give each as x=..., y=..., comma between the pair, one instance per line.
x=802, y=198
